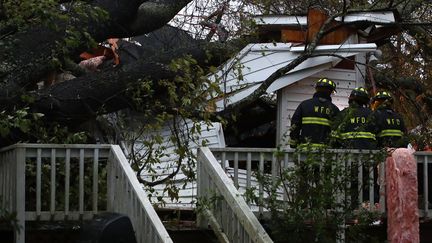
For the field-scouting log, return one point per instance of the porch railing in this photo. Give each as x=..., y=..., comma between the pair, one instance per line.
x=68, y=182
x=228, y=214
x=242, y=163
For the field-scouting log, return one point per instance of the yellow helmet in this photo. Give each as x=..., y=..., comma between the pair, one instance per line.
x=382, y=99
x=326, y=83
x=360, y=95
x=383, y=95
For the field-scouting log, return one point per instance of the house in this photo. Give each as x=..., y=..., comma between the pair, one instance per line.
x=342, y=56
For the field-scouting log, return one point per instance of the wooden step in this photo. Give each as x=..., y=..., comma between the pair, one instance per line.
x=192, y=235
x=181, y=226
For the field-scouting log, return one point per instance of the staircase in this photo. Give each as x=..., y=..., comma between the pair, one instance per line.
x=67, y=183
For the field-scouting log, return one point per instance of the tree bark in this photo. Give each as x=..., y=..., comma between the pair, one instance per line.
x=30, y=55
x=109, y=90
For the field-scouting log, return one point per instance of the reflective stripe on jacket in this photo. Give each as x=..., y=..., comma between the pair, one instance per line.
x=390, y=133
x=354, y=135
x=312, y=146
x=316, y=120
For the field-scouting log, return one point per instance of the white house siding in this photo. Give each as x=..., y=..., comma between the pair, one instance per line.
x=291, y=96
x=214, y=137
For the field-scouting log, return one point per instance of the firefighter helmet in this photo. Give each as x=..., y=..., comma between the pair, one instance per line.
x=383, y=95
x=326, y=83
x=359, y=94
x=382, y=99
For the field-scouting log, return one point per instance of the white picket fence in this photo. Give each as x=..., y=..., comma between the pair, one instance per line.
x=66, y=182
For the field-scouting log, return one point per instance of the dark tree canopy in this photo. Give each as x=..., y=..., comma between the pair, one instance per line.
x=39, y=45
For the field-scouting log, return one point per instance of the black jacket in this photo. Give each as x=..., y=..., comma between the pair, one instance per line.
x=354, y=129
x=389, y=128
x=311, y=122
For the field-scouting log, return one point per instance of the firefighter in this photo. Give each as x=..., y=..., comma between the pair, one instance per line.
x=311, y=122
x=352, y=125
x=310, y=129
x=389, y=126
x=354, y=131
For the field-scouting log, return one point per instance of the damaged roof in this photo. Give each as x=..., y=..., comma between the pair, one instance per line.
x=242, y=75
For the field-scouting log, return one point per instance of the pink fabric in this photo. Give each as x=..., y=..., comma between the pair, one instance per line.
x=401, y=188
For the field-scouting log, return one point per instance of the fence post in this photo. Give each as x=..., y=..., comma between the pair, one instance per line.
x=201, y=221
x=341, y=193
x=382, y=187
x=20, y=193
x=110, y=181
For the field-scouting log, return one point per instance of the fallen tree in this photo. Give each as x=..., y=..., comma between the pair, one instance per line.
x=165, y=77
